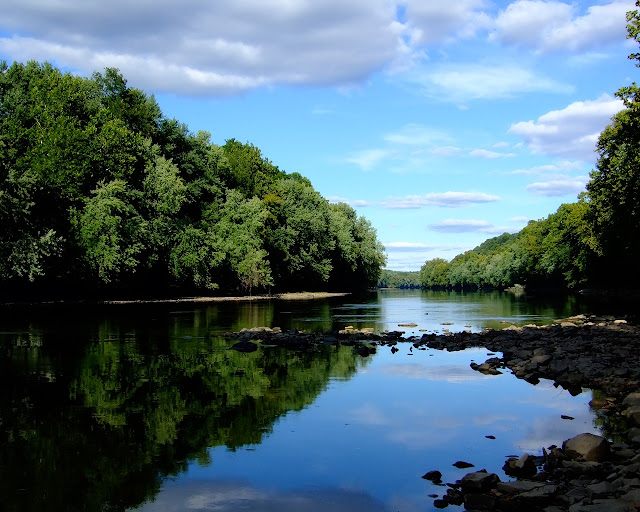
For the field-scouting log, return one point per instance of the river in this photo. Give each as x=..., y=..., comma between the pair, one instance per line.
x=142, y=406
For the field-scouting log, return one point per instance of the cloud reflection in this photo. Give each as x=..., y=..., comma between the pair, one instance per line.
x=231, y=495
x=452, y=373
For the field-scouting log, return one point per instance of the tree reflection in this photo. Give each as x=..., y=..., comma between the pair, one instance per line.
x=99, y=425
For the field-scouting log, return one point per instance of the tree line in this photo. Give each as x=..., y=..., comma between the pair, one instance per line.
x=592, y=242
x=98, y=190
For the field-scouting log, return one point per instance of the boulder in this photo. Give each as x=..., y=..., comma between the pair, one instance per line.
x=587, y=447
x=524, y=467
x=478, y=481
x=434, y=476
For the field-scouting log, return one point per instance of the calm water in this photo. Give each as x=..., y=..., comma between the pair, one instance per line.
x=143, y=407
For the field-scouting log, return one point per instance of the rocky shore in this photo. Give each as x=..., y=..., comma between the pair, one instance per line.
x=584, y=474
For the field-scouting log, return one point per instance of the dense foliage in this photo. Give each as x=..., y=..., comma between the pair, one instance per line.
x=98, y=188
x=399, y=279
x=592, y=242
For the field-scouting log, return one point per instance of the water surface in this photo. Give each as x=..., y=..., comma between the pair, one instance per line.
x=143, y=406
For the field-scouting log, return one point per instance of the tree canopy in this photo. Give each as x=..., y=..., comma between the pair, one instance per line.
x=98, y=190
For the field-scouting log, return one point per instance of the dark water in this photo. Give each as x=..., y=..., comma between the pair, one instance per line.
x=143, y=406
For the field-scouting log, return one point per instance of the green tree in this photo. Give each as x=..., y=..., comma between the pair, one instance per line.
x=614, y=188
x=112, y=232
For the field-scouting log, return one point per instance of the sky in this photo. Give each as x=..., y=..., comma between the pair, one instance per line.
x=443, y=122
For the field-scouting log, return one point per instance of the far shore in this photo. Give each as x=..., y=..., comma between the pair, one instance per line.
x=277, y=296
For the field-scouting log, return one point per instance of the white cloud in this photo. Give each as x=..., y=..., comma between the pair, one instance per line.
x=369, y=158
x=489, y=155
x=444, y=199
x=519, y=219
x=551, y=26
x=561, y=167
x=438, y=20
x=559, y=187
x=463, y=82
x=198, y=47
x=571, y=132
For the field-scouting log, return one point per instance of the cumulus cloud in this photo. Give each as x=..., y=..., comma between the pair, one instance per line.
x=571, y=132
x=559, y=187
x=198, y=47
x=463, y=82
x=550, y=26
x=438, y=20
x=444, y=199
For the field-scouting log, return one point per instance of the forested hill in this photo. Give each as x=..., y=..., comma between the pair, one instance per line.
x=98, y=190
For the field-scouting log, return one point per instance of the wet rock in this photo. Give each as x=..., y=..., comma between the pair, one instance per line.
x=478, y=481
x=473, y=502
x=434, y=476
x=518, y=487
x=462, y=464
x=524, y=467
x=587, y=447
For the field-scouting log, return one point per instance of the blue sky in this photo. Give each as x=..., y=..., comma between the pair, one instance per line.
x=442, y=122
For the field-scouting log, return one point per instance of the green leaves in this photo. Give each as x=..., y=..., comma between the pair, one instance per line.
x=111, y=231
x=97, y=187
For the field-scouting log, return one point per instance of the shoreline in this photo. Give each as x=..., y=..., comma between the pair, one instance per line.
x=584, y=474
x=195, y=299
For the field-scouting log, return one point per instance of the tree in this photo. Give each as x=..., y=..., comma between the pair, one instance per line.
x=111, y=231
x=614, y=189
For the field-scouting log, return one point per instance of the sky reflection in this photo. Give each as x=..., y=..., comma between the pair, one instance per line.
x=365, y=442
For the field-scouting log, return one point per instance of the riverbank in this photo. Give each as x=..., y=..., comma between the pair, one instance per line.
x=277, y=296
x=194, y=299
x=585, y=474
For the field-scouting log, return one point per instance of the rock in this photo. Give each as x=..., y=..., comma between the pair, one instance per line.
x=602, y=506
x=588, y=447
x=518, y=487
x=408, y=325
x=541, y=360
x=524, y=467
x=462, y=464
x=633, y=413
x=632, y=399
x=478, y=481
x=600, y=490
x=565, y=417
x=440, y=504
x=542, y=493
x=434, y=476
x=475, y=501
